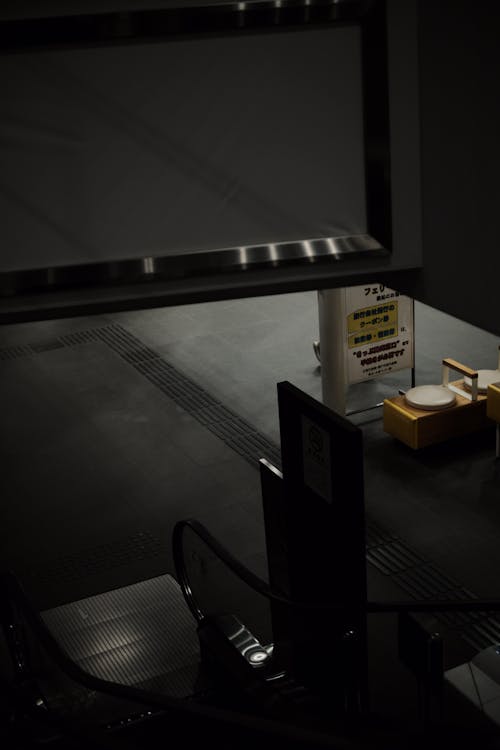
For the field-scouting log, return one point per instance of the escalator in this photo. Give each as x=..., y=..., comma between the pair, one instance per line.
x=249, y=651
x=186, y=662
x=48, y=699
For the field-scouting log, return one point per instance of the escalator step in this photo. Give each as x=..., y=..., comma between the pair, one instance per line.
x=141, y=635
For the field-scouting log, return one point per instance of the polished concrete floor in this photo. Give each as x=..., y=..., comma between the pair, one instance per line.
x=111, y=432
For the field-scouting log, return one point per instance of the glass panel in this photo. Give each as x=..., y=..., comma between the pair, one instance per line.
x=217, y=590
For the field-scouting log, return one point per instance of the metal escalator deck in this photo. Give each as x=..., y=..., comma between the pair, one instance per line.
x=141, y=635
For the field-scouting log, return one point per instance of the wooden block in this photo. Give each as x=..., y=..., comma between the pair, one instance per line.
x=493, y=402
x=418, y=428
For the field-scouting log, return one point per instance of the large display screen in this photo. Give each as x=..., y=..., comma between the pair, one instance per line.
x=174, y=147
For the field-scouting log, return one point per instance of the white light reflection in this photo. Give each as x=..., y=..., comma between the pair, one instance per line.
x=242, y=6
x=308, y=249
x=273, y=251
x=277, y=3
x=243, y=257
x=246, y=649
x=148, y=265
x=331, y=246
x=236, y=633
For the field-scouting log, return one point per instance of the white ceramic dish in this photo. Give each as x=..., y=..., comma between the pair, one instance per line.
x=484, y=379
x=430, y=397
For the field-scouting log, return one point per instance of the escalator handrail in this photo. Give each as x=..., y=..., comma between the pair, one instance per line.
x=241, y=571
x=261, y=587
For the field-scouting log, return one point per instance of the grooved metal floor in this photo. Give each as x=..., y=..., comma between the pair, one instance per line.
x=141, y=635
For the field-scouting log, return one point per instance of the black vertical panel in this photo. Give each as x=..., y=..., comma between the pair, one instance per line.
x=322, y=456
x=376, y=124
x=274, y=510
x=459, y=59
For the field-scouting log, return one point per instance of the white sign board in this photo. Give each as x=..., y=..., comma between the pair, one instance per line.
x=378, y=332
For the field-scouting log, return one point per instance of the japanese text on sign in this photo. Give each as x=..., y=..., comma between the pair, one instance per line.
x=378, y=332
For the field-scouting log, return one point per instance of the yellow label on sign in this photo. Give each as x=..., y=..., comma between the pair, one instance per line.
x=378, y=330
x=370, y=324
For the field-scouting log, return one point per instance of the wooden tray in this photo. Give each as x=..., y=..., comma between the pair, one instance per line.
x=493, y=405
x=418, y=428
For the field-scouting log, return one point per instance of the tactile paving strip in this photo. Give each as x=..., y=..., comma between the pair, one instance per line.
x=199, y=403
x=422, y=580
x=67, y=568
x=13, y=352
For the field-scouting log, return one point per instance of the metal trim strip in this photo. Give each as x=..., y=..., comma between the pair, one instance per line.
x=168, y=268
x=163, y=24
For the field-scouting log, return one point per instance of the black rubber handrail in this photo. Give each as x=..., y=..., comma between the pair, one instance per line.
x=241, y=571
x=261, y=587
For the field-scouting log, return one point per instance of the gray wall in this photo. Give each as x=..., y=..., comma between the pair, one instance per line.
x=459, y=46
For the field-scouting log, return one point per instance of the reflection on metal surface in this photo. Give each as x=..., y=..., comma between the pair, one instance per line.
x=331, y=247
x=168, y=268
x=245, y=643
x=148, y=265
x=317, y=350
x=308, y=249
x=273, y=254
